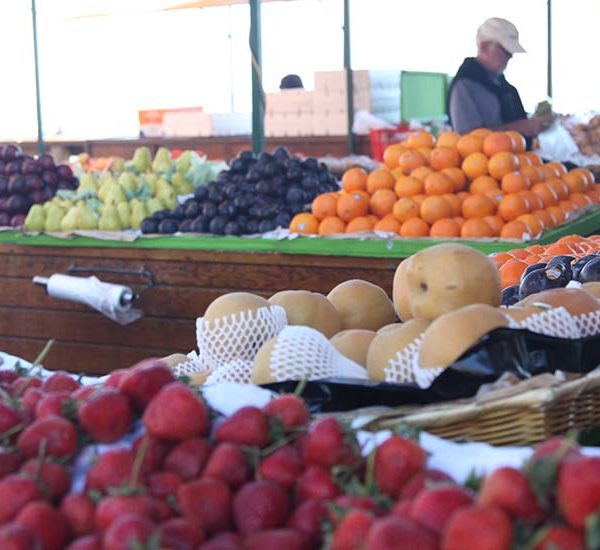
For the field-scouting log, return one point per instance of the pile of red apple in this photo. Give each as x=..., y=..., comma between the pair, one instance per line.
x=260, y=479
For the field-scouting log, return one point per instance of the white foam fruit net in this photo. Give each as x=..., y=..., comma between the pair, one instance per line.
x=190, y=367
x=237, y=337
x=238, y=371
x=303, y=353
x=588, y=324
x=557, y=322
x=400, y=368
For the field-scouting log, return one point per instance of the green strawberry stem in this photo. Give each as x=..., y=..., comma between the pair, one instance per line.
x=138, y=461
x=43, y=353
x=12, y=431
x=300, y=387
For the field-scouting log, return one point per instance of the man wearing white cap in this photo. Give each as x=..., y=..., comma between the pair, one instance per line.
x=480, y=96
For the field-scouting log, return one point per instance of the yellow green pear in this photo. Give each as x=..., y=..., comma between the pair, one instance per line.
x=87, y=182
x=54, y=217
x=167, y=197
x=117, y=165
x=150, y=181
x=181, y=184
x=115, y=195
x=154, y=205
x=162, y=161
x=184, y=162
x=36, y=218
x=105, y=187
x=110, y=220
x=128, y=183
x=104, y=177
x=86, y=218
x=138, y=213
x=124, y=211
x=70, y=222
x=142, y=159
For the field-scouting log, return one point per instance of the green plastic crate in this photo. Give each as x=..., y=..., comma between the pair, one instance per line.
x=423, y=95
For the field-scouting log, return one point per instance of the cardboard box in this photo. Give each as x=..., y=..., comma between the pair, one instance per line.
x=185, y=121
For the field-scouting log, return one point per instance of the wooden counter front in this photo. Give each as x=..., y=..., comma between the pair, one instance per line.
x=185, y=282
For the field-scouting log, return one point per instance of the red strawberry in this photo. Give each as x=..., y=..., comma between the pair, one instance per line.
x=432, y=508
x=316, y=482
x=15, y=492
x=206, y=503
x=164, y=484
x=162, y=511
x=578, y=489
x=260, y=505
x=290, y=409
x=176, y=413
x=60, y=381
x=15, y=537
x=352, y=502
x=114, y=378
x=247, y=426
x=424, y=480
x=324, y=444
x=112, y=469
x=155, y=453
x=82, y=394
x=111, y=508
x=481, y=527
x=229, y=464
x=558, y=537
x=8, y=376
x=351, y=533
x=58, y=433
x=509, y=489
x=106, y=415
x=31, y=397
x=80, y=513
x=276, y=539
x=9, y=461
x=224, y=541
x=282, y=466
x=385, y=534
x=142, y=382
x=128, y=531
x=188, y=458
x=54, y=480
x=89, y=542
x=9, y=418
x=22, y=383
x=403, y=509
x=180, y=534
x=52, y=403
x=396, y=461
x=555, y=445
x=46, y=522
x=307, y=518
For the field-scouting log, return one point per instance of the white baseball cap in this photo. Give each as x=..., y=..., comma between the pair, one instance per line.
x=502, y=31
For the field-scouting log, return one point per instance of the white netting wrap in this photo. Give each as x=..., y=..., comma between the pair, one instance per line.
x=400, y=369
x=557, y=322
x=238, y=336
x=238, y=371
x=190, y=367
x=303, y=353
x=588, y=324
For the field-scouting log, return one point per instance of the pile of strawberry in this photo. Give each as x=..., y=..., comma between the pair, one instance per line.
x=260, y=479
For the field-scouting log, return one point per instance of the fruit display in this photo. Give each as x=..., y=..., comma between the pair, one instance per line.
x=256, y=195
x=27, y=181
x=480, y=185
x=585, y=135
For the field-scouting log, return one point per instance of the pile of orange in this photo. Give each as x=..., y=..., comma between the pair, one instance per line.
x=512, y=264
x=480, y=185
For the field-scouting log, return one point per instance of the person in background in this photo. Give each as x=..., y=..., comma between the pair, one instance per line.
x=480, y=96
x=291, y=82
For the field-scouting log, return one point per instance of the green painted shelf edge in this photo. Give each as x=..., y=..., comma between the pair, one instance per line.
x=370, y=248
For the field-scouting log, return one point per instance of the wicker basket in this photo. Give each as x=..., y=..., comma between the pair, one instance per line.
x=519, y=419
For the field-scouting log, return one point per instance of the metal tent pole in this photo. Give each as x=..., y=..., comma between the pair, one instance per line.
x=258, y=97
x=40, y=131
x=549, y=75
x=349, y=79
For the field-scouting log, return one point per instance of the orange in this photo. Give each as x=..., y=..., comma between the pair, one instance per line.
x=594, y=193
x=415, y=227
x=409, y=160
x=380, y=179
x=495, y=222
x=382, y=202
x=419, y=198
x=561, y=189
x=580, y=199
x=476, y=228
x=457, y=176
x=500, y=258
x=514, y=182
x=421, y=172
x=534, y=225
x=438, y=183
x=559, y=168
x=535, y=249
x=462, y=196
x=407, y=186
x=575, y=181
x=503, y=163
x=511, y=271
x=459, y=220
x=325, y=205
x=426, y=152
x=435, y=208
x=524, y=160
x=567, y=206
x=454, y=202
x=545, y=217
x=533, y=201
x=446, y=227
x=332, y=225
x=304, y=224
x=535, y=159
x=469, y=144
x=359, y=224
x=478, y=206
x=548, y=171
x=444, y=157
x=388, y=224
x=483, y=184
x=518, y=141
x=520, y=253
x=557, y=213
x=497, y=142
x=475, y=165
x=532, y=259
x=392, y=154
x=354, y=179
x=481, y=132
x=587, y=174
x=353, y=205
x=495, y=194
x=405, y=209
x=546, y=193
x=511, y=207
x=373, y=218
x=533, y=173
x=418, y=139
x=447, y=139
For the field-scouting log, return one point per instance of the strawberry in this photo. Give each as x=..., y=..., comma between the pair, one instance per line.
x=323, y=445
x=89, y=542
x=206, y=502
x=509, y=489
x=316, y=482
x=432, y=508
x=106, y=415
x=9, y=461
x=46, y=522
x=247, y=426
x=176, y=413
x=228, y=463
x=179, y=534
x=396, y=461
x=385, y=534
x=260, y=505
x=276, y=539
x=81, y=395
x=80, y=513
x=555, y=445
x=22, y=383
x=111, y=508
x=424, y=480
x=128, y=531
x=164, y=484
x=345, y=503
x=351, y=533
x=31, y=397
x=282, y=466
x=188, y=458
x=15, y=537
x=578, y=489
x=112, y=469
x=156, y=451
x=54, y=480
x=8, y=376
x=224, y=541
x=481, y=527
x=60, y=381
x=290, y=410
x=52, y=403
x=142, y=382
x=307, y=518
x=9, y=418
x=15, y=492
x=403, y=509
x=58, y=434
x=113, y=380
x=558, y=537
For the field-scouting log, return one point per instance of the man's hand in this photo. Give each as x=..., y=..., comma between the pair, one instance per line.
x=530, y=127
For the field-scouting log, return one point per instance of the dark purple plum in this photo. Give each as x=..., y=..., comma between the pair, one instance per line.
x=50, y=178
x=34, y=183
x=4, y=219
x=531, y=268
x=579, y=265
x=48, y=193
x=510, y=295
x=64, y=185
x=233, y=228
x=168, y=226
x=17, y=220
x=591, y=271
x=2, y=167
x=543, y=279
x=31, y=166
x=201, y=193
x=3, y=204
x=565, y=262
x=17, y=185
x=217, y=225
x=149, y=225
x=37, y=197
x=185, y=226
x=199, y=224
x=13, y=167
x=46, y=162
x=11, y=152
x=64, y=172
x=17, y=204
x=3, y=186
x=192, y=209
x=265, y=226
